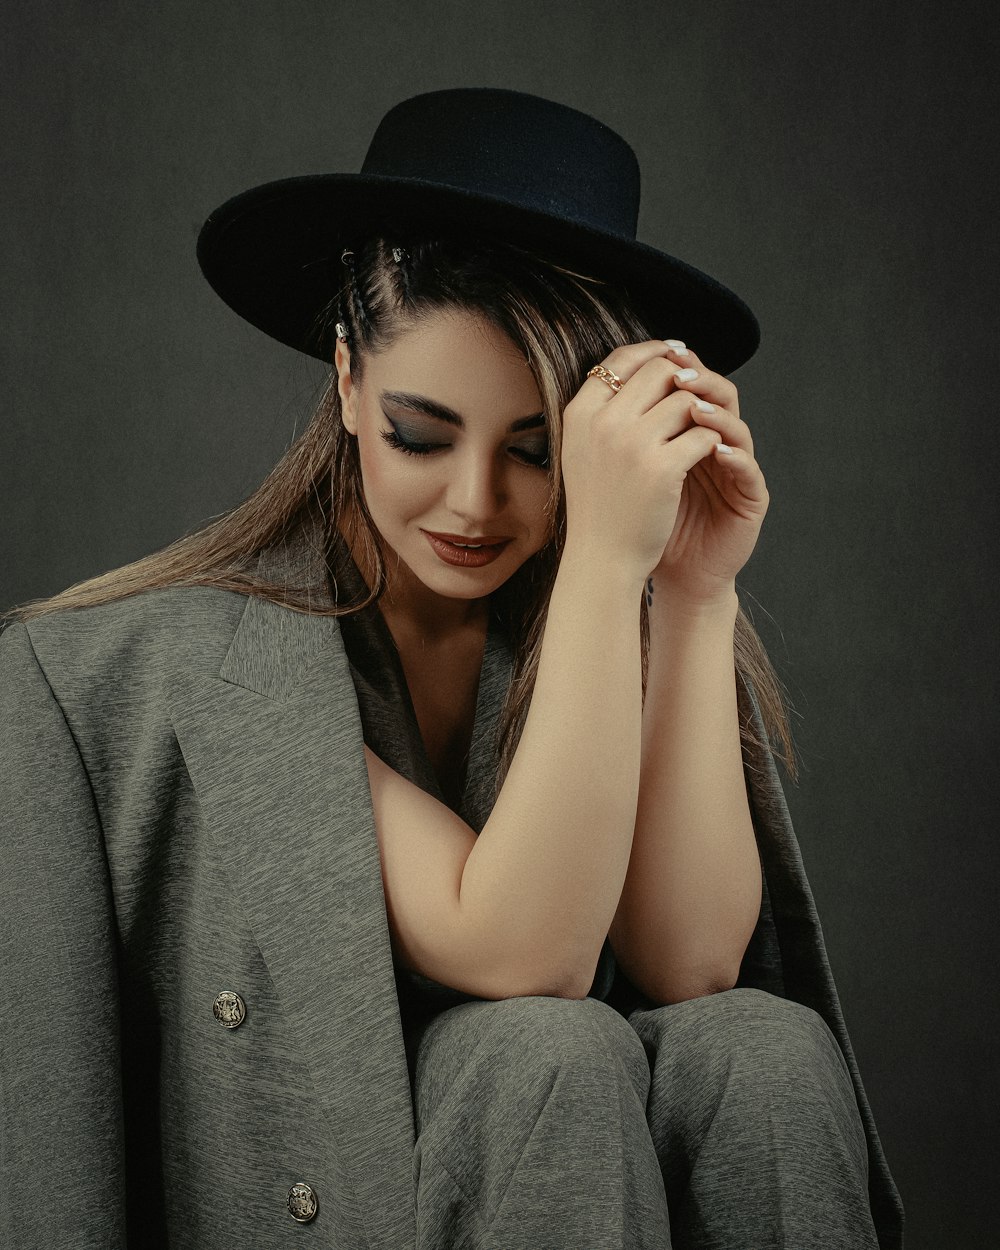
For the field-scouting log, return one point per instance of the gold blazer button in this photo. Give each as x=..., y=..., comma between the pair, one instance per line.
x=230, y=1010
x=302, y=1202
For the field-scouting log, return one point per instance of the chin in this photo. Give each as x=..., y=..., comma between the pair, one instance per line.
x=456, y=583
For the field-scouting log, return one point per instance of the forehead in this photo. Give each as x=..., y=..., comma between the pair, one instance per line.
x=462, y=360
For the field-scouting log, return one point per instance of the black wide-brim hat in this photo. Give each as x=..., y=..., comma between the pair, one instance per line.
x=471, y=160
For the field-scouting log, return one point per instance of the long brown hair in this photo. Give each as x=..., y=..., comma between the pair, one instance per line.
x=562, y=321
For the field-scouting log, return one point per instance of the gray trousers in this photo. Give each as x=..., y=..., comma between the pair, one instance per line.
x=726, y=1121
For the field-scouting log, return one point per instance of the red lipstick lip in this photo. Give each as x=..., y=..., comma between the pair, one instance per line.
x=466, y=556
x=486, y=540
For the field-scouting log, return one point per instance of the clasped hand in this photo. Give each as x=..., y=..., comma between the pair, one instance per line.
x=646, y=481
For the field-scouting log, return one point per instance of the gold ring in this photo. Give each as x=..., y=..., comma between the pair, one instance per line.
x=612, y=379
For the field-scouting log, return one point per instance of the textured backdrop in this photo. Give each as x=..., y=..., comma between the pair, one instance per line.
x=832, y=165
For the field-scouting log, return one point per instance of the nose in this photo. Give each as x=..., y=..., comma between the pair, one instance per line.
x=477, y=490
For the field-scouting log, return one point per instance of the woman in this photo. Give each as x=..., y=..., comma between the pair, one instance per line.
x=408, y=858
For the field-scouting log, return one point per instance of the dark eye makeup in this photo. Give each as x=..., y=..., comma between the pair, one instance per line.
x=392, y=437
x=410, y=446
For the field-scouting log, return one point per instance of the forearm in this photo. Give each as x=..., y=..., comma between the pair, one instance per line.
x=546, y=873
x=692, y=891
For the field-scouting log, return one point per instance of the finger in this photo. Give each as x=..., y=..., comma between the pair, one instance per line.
x=730, y=428
x=650, y=383
x=625, y=362
x=658, y=376
x=688, y=449
x=706, y=383
x=744, y=482
x=680, y=411
x=648, y=371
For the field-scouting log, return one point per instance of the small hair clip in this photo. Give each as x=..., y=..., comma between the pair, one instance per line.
x=341, y=331
x=399, y=254
x=347, y=257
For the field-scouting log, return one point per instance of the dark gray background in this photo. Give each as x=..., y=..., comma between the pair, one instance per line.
x=832, y=164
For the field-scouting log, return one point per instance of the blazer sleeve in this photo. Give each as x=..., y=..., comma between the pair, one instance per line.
x=61, y=1156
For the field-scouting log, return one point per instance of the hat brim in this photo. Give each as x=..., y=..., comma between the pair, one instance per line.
x=273, y=255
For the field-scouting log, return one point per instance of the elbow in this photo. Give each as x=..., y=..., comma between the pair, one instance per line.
x=548, y=983
x=576, y=988
x=695, y=970
x=551, y=987
x=576, y=980
x=681, y=985
x=697, y=988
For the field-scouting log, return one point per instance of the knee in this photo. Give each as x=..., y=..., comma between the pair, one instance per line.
x=744, y=1057
x=575, y=1034
x=775, y=1039
x=569, y=1029
x=756, y=1020
x=781, y=1059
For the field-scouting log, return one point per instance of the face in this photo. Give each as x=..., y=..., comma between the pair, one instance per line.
x=454, y=455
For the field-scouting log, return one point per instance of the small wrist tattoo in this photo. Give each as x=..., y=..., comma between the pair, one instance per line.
x=649, y=592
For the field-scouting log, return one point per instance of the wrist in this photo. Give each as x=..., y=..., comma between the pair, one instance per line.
x=669, y=606
x=583, y=562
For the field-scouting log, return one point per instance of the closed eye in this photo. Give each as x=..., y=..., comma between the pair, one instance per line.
x=411, y=449
x=538, y=459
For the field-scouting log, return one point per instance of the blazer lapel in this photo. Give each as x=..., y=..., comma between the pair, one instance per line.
x=274, y=748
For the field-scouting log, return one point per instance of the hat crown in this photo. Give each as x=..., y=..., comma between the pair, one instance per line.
x=518, y=148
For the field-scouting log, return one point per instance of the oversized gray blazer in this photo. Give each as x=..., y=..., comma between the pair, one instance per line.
x=186, y=810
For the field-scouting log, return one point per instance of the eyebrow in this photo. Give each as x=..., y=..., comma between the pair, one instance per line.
x=431, y=408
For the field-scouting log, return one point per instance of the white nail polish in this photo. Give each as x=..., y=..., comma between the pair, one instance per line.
x=728, y=451
x=676, y=343
x=686, y=375
x=703, y=406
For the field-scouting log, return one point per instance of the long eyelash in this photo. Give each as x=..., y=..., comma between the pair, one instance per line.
x=426, y=449
x=534, y=461
x=411, y=449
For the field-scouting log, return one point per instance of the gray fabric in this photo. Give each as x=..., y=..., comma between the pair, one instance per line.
x=724, y=1123
x=204, y=821
x=186, y=810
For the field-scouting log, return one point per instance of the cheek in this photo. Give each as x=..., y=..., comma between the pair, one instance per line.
x=392, y=484
x=371, y=469
x=536, y=503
